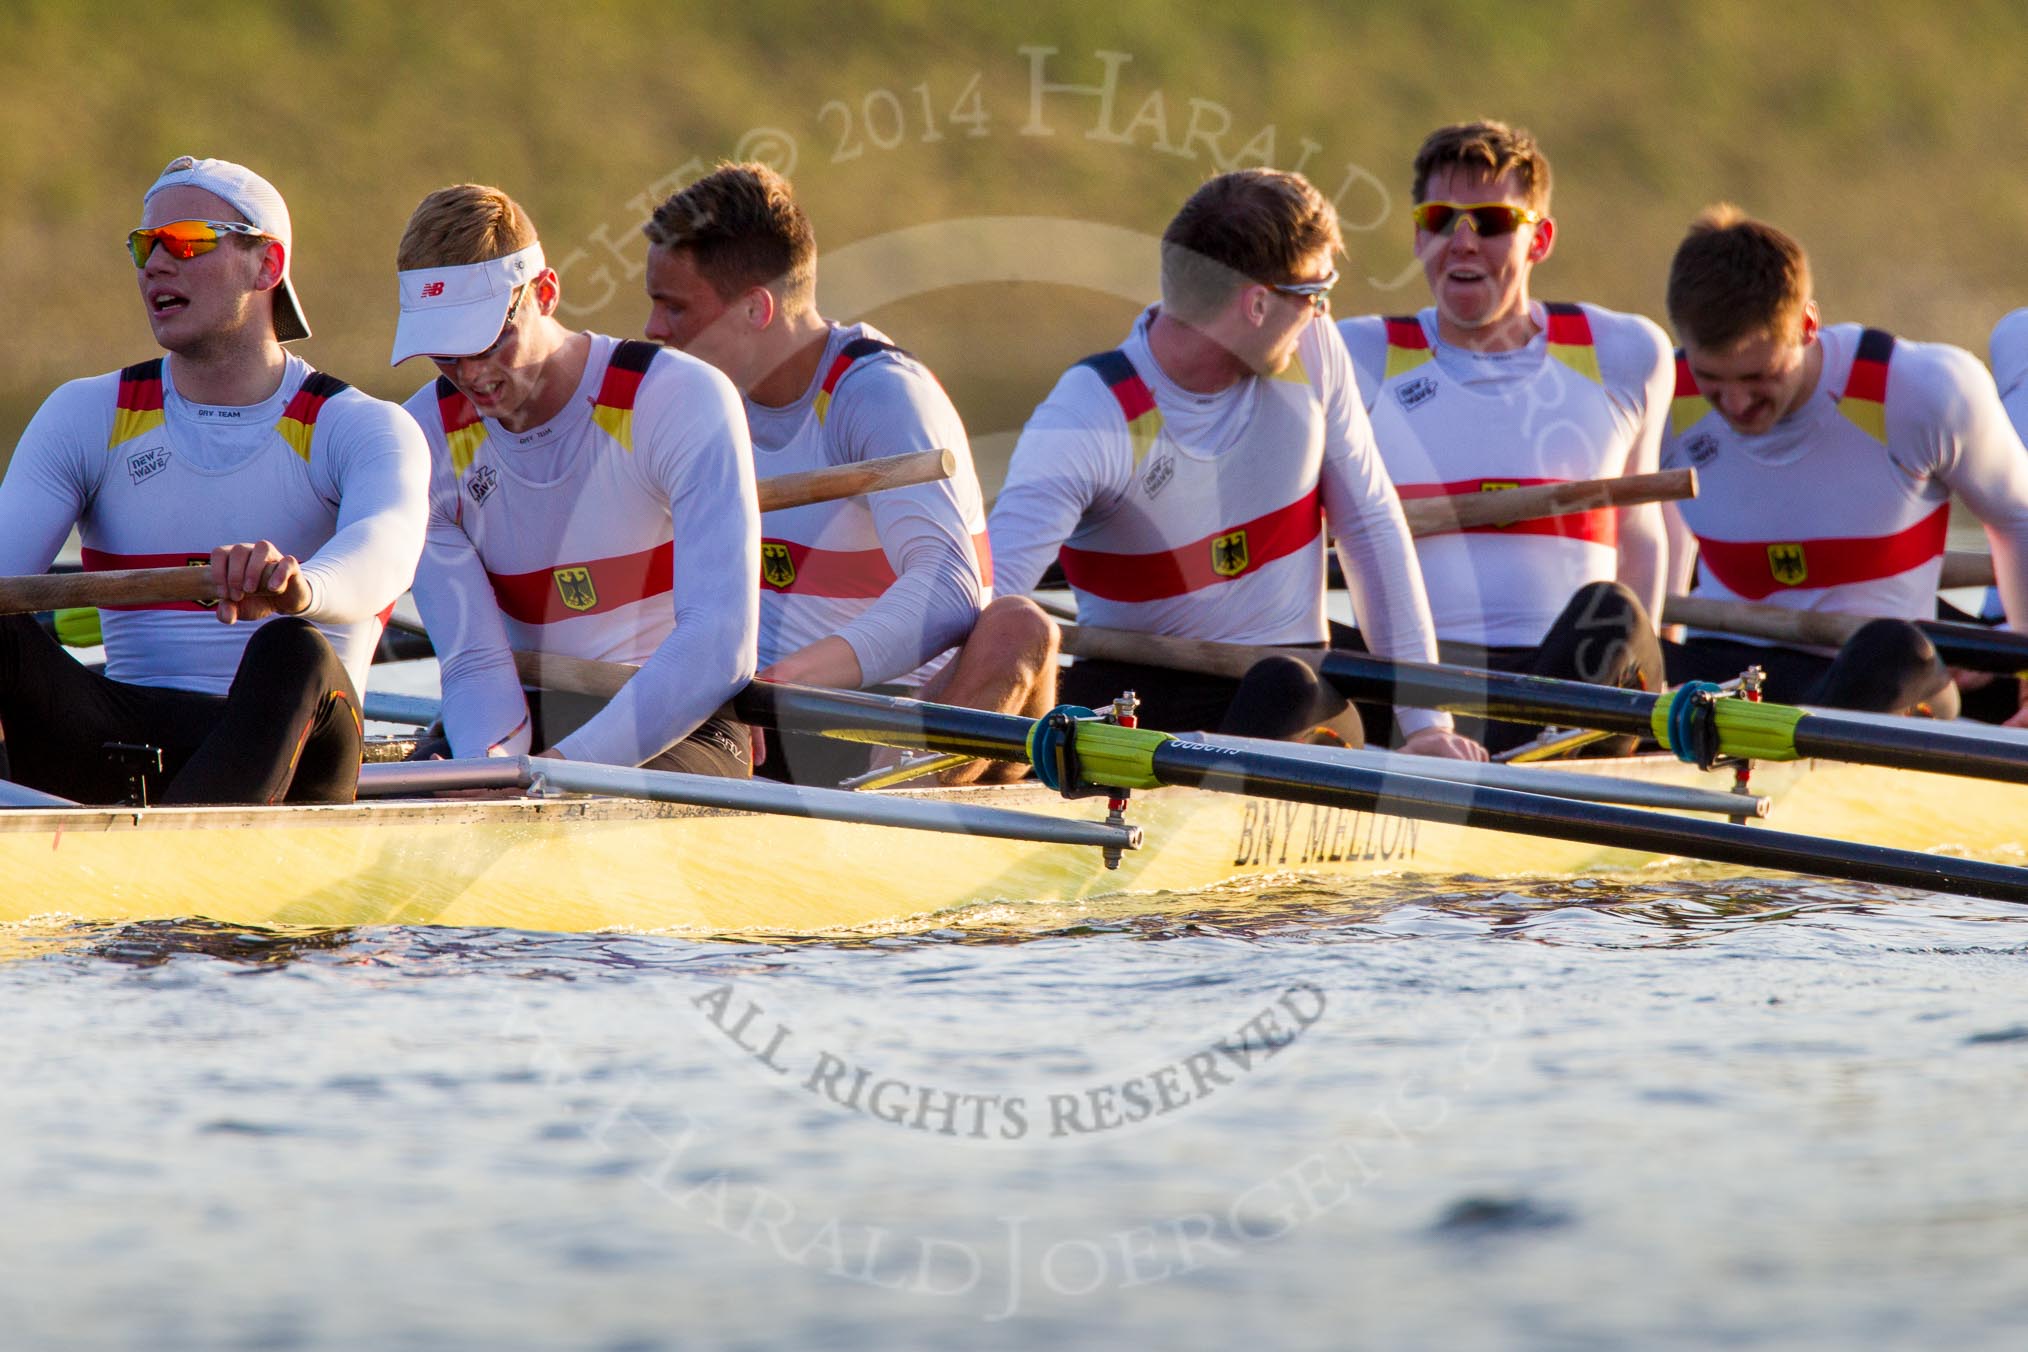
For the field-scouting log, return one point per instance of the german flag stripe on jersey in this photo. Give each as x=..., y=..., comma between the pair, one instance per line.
x=1865, y=398
x=851, y=574
x=99, y=561
x=1144, y=420
x=1570, y=340
x=591, y=587
x=1755, y=569
x=137, y=408
x=840, y=364
x=1218, y=557
x=464, y=429
x=1600, y=526
x=614, y=408
x=1689, y=406
x=299, y=419
x=1407, y=344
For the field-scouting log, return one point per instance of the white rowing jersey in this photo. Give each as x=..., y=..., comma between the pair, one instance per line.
x=327, y=474
x=900, y=575
x=1586, y=398
x=563, y=539
x=1843, y=505
x=1204, y=515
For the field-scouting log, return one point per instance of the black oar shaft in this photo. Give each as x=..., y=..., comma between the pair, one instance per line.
x=935, y=727
x=1265, y=775
x=1492, y=693
x=1977, y=750
x=1974, y=750
x=1977, y=648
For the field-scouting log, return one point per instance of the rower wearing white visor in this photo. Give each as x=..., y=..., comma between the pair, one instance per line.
x=589, y=497
x=302, y=496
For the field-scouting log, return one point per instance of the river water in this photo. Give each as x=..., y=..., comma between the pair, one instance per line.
x=1400, y=1114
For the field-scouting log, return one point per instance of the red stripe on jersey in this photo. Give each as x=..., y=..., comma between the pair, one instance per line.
x=1754, y=569
x=624, y=369
x=309, y=399
x=1406, y=331
x=791, y=567
x=619, y=387
x=1219, y=557
x=1868, y=379
x=839, y=366
x=1567, y=326
x=548, y=595
x=1686, y=384
x=453, y=408
x=140, y=387
x=1599, y=526
x=99, y=561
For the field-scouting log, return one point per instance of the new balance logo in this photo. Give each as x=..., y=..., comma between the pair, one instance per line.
x=431, y=290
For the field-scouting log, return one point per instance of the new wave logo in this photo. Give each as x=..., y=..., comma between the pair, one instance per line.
x=147, y=464
x=1416, y=392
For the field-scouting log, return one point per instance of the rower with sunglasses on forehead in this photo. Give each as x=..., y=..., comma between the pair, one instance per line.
x=1187, y=478
x=302, y=496
x=589, y=497
x=1827, y=459
x=1488, y=387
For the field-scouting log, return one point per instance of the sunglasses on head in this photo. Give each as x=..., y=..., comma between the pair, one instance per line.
x=1488, y=218
x=506, y=327
x=185, y=239
x=1317, y=293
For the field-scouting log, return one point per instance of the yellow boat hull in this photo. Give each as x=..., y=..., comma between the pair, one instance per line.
x=593, y=864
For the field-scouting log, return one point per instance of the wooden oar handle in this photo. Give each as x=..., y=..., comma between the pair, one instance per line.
x=1778, y=624
x=1961, y=568
x=1505, y=506
x=114, y=587
x=848, y=481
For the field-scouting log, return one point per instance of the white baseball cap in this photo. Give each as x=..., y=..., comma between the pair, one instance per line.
x=254, y=198
x=459, y=311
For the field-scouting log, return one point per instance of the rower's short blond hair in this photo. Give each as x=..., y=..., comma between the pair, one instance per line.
x=463, y=224
x=1248, y=226
x=1487, y=147
x=743, y=229
x=1735, y=278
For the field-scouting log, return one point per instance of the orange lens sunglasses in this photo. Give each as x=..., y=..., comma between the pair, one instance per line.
x=185, y=239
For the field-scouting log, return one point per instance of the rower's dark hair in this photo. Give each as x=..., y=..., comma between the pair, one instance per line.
x=1251, y=225
x=1735, y=278
x=1488, y=147
x=743, y=229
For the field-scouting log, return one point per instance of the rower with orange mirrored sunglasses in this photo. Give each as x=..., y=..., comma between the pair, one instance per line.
x=1488, y=218
x=185, y=239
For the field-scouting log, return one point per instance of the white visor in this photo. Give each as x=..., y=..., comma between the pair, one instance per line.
x=455, y=312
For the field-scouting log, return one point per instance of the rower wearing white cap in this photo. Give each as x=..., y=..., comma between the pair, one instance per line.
x=589, y=497
x=315, y=490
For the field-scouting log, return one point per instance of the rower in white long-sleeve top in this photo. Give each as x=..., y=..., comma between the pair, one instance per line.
x=589, y=497
x=303, y=497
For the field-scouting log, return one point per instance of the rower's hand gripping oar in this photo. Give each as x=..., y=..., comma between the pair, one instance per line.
x=155, y=586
